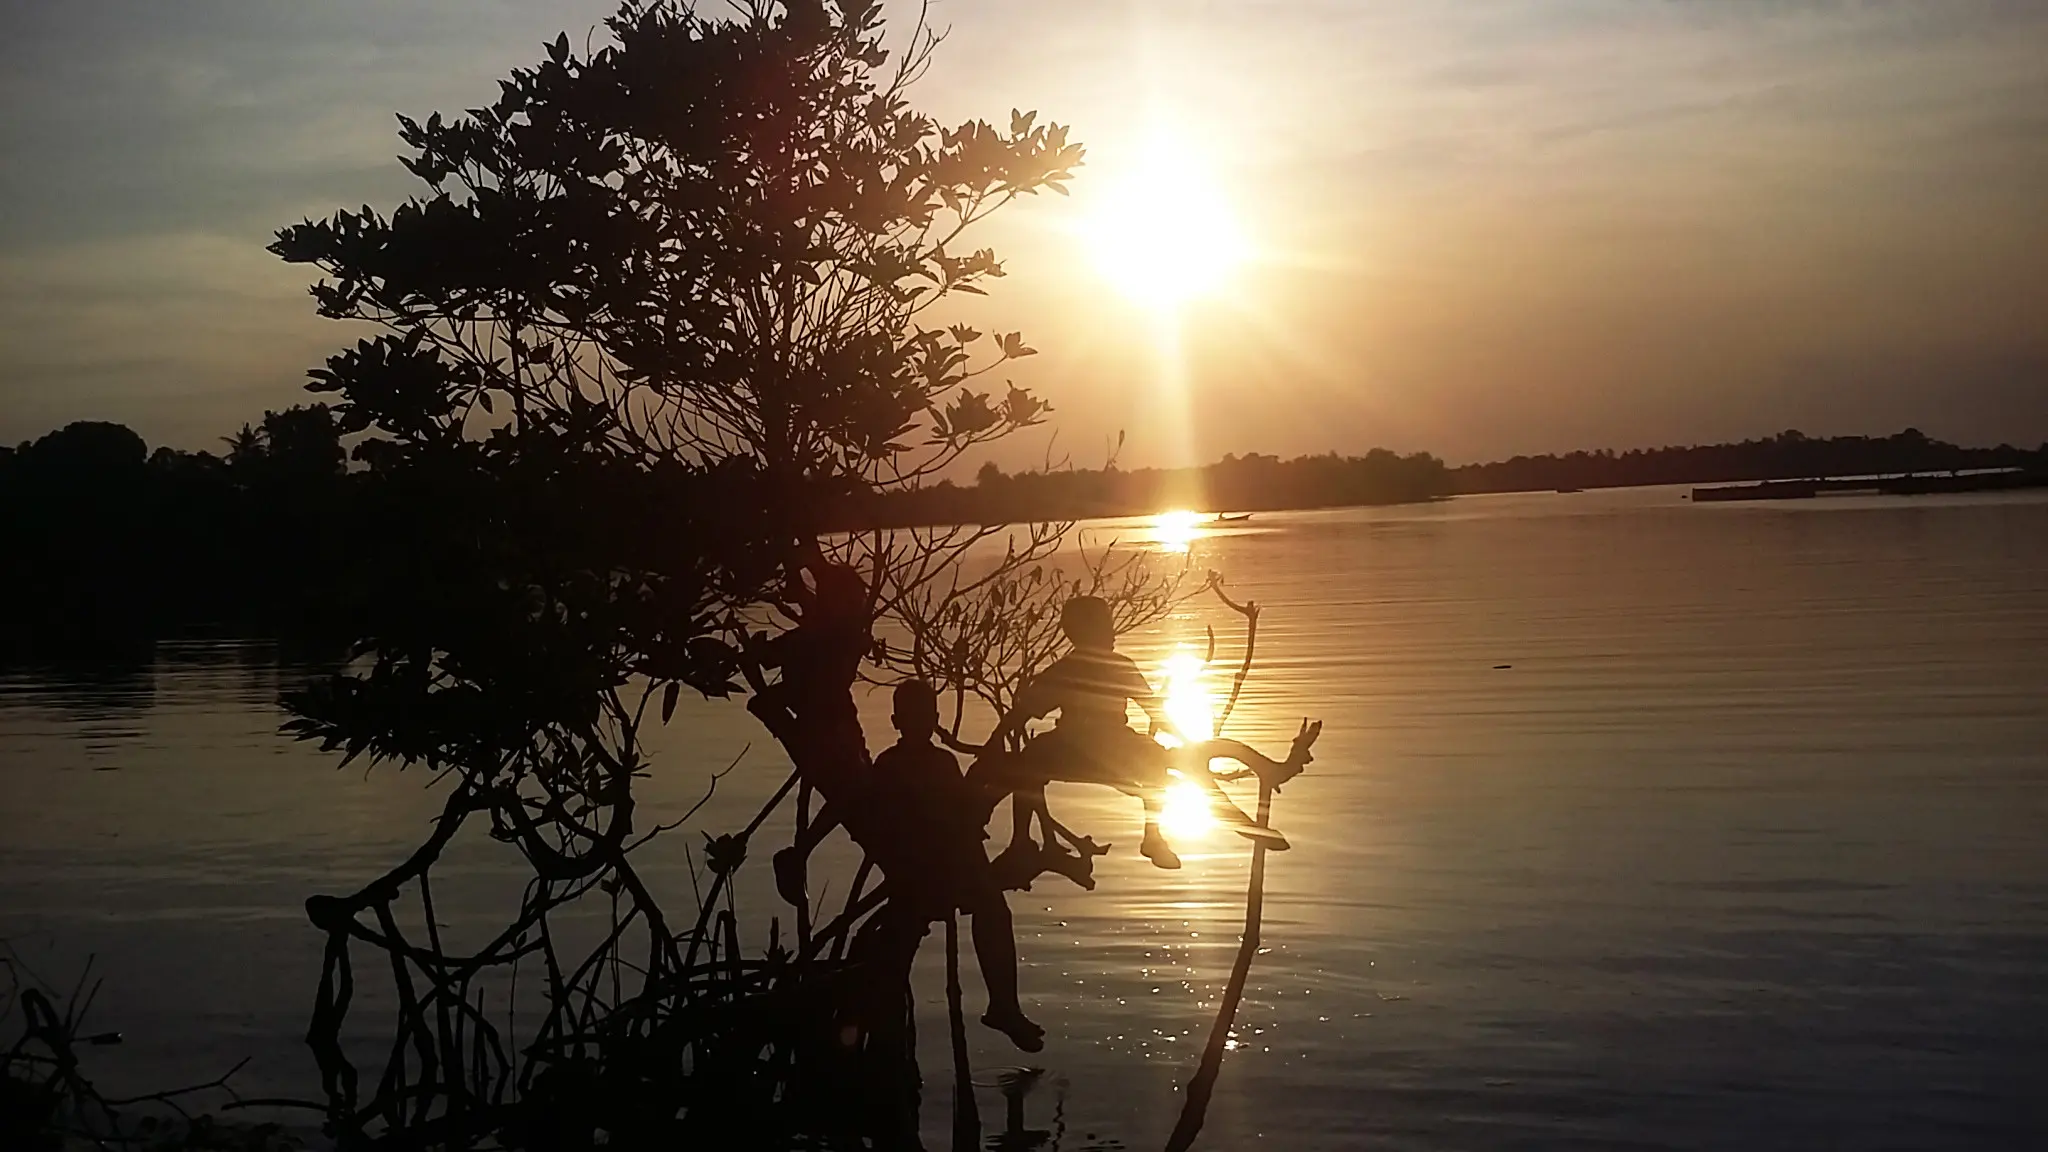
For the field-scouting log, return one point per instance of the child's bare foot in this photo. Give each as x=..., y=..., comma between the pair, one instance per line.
x=1159, y=852
x=1012, y=1022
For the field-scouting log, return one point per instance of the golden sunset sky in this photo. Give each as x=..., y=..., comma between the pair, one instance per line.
x=1477, y=228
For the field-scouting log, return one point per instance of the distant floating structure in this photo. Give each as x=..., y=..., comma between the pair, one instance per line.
x=1906, y=484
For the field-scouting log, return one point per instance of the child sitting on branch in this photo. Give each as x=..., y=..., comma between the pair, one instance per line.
x=932, y=858
x=923, y=825
x=1092, y=743
x=910, y=810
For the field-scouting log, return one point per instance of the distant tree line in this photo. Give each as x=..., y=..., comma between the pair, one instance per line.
x=1234, y=484
x=106, y=541
x=109, y=543
x=1790, y=455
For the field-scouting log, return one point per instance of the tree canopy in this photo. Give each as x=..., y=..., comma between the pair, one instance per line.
x=658, y=319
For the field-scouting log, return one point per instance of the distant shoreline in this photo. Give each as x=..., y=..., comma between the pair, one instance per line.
x=1902, y=484
x=104, y=542
x=1258, y=483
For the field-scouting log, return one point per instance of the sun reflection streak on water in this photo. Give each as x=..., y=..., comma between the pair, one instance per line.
x=1185, y=690
x=1175, y=531
x=1185, y=812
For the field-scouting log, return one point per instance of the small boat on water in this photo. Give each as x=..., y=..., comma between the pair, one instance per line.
x=1569, y=491
x=1237, y=519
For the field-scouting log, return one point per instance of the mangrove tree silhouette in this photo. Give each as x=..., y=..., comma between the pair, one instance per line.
x=651, y=343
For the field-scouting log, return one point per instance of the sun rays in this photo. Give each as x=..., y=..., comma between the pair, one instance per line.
x=1185, y=812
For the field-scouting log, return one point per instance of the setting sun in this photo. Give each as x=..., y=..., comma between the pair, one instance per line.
x=1165, y=234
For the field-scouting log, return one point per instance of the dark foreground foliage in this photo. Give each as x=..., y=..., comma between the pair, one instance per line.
x=49, y=1103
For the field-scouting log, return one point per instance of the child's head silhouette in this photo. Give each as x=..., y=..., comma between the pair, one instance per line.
x=1086, y=621
x=917, y=710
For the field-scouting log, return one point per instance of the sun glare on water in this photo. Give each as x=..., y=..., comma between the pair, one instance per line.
x=1189, y=703
x=1185, y=812
x=1175, y=531
x=1165, y=234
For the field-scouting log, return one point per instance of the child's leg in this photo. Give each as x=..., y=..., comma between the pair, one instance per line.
x=1021, y=775
x=1143, y=767
x=995, y=949
x=1024, y=804
x=995, y=946
x=1154, y=846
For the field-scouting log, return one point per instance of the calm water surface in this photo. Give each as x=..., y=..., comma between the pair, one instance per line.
x=1748, y=847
